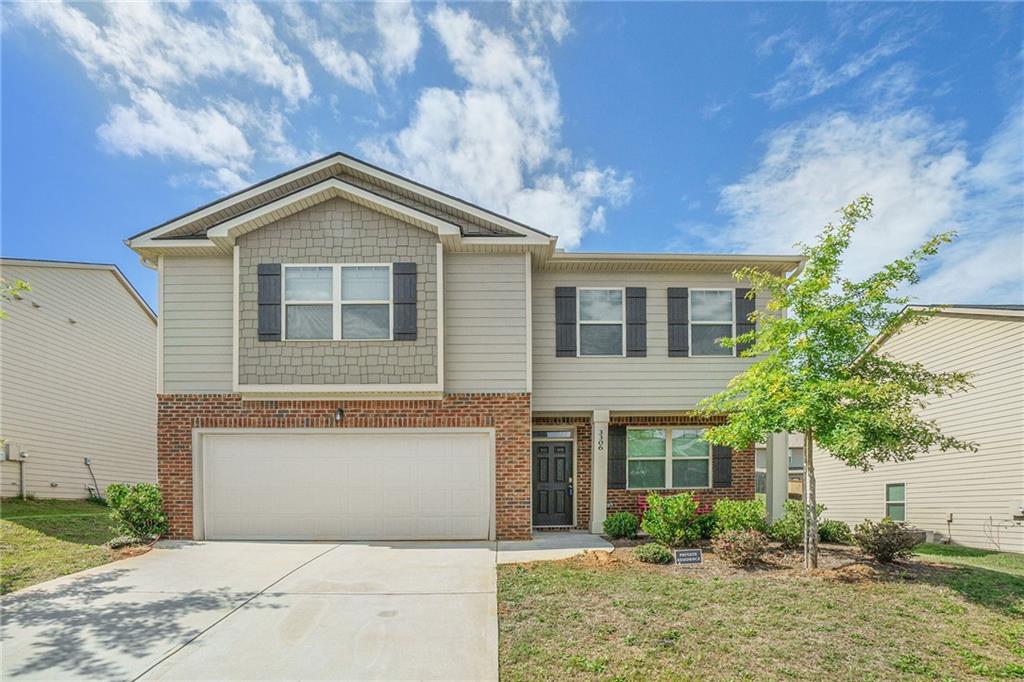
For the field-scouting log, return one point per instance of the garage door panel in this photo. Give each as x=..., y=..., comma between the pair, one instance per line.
x=351, y=486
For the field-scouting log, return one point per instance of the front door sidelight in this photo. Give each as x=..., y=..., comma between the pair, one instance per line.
x=552, y=483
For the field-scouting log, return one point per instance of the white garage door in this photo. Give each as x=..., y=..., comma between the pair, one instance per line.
x=346, y=486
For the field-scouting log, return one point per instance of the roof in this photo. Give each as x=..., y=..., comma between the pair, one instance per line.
x=81, y=265
x=581, y=261
x=1012, y=309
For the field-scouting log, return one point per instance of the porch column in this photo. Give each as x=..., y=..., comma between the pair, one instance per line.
x=599, y=471
x=777, y=475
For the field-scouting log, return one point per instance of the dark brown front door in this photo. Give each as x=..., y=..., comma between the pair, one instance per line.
x=552, y=483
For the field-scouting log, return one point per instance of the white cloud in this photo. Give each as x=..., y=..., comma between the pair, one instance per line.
x=811, y=71
x=922, y=181
x=399, y=36
x=496, y=141
x=155, y=45
x=152, y=125
x=346, y=65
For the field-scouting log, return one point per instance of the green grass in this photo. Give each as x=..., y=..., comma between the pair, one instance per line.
x=961, y=617
x=44, y=539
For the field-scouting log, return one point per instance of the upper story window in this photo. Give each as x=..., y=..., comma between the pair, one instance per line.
x=601, y=322
x=712, y=316
x=339, y=302
x=667, y=458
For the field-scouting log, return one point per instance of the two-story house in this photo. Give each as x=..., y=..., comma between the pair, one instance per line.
x=348, y=354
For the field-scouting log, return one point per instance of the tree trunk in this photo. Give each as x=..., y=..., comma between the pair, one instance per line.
x=810, y=505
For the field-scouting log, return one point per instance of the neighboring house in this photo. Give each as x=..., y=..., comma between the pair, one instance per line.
x=795, y=462
x=77, y=380
x=348, y=354
x=969, y=498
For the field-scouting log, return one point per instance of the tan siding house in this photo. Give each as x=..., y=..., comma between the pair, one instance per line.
x=967, y=498
x=78, y=379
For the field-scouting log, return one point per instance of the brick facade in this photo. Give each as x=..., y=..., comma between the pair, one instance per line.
x=507, y=414
x=742, y=469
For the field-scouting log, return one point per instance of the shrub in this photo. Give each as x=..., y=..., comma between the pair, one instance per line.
x=740, y=515
x=741, y=547
x=886, y=540
x=137, y=510
x=706, y=525
x=621, y=525
x=653, y=553
x=789, y=530
x=838, y=532
x=671, y=520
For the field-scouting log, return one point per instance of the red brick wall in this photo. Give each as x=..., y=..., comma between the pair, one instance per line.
x=742, y=469
x=581, y=477
x=508, y=414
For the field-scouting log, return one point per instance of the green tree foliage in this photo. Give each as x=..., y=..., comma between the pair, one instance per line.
x=11, y=289
x=818, y=373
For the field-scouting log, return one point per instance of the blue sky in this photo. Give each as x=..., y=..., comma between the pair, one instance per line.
x=618, y=126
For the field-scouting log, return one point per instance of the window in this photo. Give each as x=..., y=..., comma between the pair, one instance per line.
x=350, y=302
x=601, y=326
x=711, y=318
x=667, y=458
x=896, y=501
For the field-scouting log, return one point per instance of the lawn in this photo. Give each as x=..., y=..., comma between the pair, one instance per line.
x=44, y=539
x=948, y=614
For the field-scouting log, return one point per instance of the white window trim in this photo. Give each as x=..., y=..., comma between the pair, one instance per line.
x=580, y=322
x=668, y=459
x=336, y=303
x=690, y=323
x=886, y=502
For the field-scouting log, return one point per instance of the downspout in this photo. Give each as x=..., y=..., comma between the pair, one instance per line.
x=96, y=486
x=22, y=457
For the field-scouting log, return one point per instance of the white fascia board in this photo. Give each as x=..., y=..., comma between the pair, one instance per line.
x=236, y=226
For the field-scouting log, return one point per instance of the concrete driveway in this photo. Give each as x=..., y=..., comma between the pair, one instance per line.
x=248, y=610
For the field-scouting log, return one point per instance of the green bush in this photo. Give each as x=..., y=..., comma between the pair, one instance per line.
x=137, y=510
x=740, y=547
x=653, y=553
x=740, y=515
x=886, y=540
x=671, y=520
x=789, y=530
x=837, y=532
x=621, y=525
x=706, y=525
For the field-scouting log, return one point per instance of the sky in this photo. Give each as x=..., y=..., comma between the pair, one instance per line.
x=652, y=127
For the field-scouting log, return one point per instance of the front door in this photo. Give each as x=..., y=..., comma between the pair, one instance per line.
x=552, y=483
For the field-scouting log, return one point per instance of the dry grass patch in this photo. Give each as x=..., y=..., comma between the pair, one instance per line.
x=607, y=616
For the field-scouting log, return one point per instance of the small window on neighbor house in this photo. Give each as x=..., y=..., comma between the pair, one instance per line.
x=711, y=318
x=601, y=321
x=896, y=501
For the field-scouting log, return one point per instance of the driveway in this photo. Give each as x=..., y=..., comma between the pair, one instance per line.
x=249, y=610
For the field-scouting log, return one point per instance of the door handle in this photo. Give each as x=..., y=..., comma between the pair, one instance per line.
x=570, y=490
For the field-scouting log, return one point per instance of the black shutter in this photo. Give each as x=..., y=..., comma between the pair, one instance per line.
x=721, y=466
x=565, y=322
x=744, y=308
x=616, y=457
x=678, y=322
x=404, y=305
x=268, y=301
x=636, y=322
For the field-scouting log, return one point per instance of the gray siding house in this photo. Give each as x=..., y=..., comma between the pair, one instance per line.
x=974, y=499
x=348, y=354
x=78, y=381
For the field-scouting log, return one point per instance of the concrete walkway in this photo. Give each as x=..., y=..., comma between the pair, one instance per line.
x=269, y=610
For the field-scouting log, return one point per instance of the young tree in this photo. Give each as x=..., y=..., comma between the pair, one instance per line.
x=817, y=374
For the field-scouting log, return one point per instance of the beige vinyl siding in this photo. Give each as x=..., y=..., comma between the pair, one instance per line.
x=485, y=322
x=196, y=324
x=74, y=390
x=654, y=382
x=981, y=490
